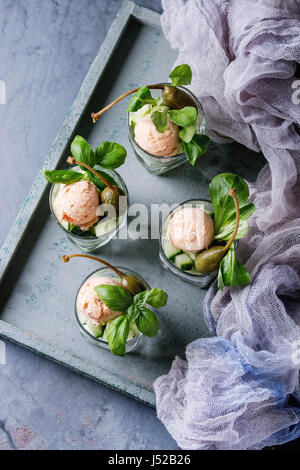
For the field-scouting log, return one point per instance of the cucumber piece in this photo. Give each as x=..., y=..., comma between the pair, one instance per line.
x=96, y=331
x=170, y=250
x=105, y=226
x=135, y=117
x=184, y=262
x=191, y=255
x=104, y=337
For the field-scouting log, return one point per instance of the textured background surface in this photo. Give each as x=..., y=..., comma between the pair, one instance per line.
x=47, y=47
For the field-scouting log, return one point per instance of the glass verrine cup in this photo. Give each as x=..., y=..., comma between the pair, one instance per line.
x=159, y=165
x=109, y=227
x=191, y=276
x=85, y=331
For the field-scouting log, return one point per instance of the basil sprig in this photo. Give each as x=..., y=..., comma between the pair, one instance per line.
x=62, y=176
x=159, y=116
x=231, y=271
x=134, y=309
x=109, y=155
x=181, y=75
x=140, y=98
x=114, y=297
x=194, y=144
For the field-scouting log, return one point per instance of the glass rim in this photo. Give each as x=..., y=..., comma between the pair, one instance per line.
x=90, y=237
x=182, y=154
x=121, y=268
x=166, y=259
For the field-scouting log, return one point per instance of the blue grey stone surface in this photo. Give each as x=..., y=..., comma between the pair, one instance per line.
x=46, y=50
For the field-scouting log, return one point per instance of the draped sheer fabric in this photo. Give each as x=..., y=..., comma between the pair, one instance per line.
x=240, y=389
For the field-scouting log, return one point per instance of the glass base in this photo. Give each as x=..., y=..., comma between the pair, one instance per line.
x=201, y=281
x=157, y=165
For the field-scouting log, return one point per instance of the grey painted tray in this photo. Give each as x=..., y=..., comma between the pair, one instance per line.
x=38, y=290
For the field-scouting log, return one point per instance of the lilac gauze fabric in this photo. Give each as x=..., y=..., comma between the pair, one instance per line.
x=240, y=389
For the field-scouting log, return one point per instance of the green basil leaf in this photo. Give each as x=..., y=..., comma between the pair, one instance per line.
x=157, y=298
x=181, y=75
x=228, y=226
x=222, y=202
x=147, y=322
x=231, y=271
x=117, y=334
x=77, y=231
x=184, y=117
x=98, y=182
x=139, y=301
x=141, y=97
x=114, y=297
x=110, y=155
x=62, y=176
x=82, y=151
x=159, y=118
x=187, y=133
x=196, y=147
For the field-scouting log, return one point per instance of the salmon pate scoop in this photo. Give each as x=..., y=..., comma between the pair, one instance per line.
x=91, y=306
x=78, y=203
x=191, y=229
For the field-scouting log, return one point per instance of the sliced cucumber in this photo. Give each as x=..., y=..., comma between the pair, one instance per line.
x=105, y=226
x=104, y=337
x=137, y=116
x=184, y=262
x=96, y=331
x=191, y=255
x=170, y=250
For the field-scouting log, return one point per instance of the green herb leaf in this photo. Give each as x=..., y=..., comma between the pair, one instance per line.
x=187, y=133
x=114, y=297
x=231, y=271
x=228, y=226
x=139, y=301
x=196, y=147
x=157, y=298
x=97, y=181
x=147, y=322
x=117, y=334
x=222, y=202
x=159, y=117
x=141, y=97
x=184, y=117
x=62, y=176
x=82, y=151
x=110, y=155
x=181, y=75
x=77, y=231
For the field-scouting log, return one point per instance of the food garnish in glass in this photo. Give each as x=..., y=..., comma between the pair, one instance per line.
x=166, y=130
x=89, y=200
x=199, y=238
x=114, y=307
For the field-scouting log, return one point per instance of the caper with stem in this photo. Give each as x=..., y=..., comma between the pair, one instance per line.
x=109, y=195
x=96, y=116
x=208, y=261
x=130, y=283
x=175, y=98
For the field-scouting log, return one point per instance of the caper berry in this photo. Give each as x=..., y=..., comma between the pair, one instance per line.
x=207, y=261
x=110, y=195
x=175, y=98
